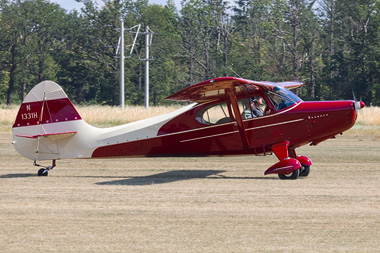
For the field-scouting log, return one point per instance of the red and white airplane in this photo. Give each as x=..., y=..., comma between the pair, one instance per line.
x=218, y=122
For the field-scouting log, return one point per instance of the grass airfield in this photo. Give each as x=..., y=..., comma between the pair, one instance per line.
x=214, y=204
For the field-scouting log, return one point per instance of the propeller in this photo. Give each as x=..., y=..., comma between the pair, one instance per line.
x=358, y=104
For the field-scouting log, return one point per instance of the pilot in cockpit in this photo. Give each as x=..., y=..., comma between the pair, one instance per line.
x=256, y=104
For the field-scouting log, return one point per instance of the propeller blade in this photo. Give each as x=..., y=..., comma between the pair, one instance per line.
x=353, y=95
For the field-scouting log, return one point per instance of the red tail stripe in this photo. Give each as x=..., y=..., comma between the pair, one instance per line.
x=57, y=110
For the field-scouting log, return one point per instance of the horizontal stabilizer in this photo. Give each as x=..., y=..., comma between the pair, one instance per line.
x=53, y=136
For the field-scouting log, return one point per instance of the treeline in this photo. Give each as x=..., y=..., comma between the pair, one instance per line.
x=333, y=45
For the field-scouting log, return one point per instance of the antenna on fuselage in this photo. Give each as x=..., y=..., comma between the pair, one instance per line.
x=230, y=67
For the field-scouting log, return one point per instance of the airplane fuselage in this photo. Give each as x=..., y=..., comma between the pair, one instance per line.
x=302, y=123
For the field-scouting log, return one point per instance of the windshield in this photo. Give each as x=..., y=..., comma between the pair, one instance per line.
x=282, y=98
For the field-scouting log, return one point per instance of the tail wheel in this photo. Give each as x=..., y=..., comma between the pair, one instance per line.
x=305, y=170
x=294, y=175
x=42, y=172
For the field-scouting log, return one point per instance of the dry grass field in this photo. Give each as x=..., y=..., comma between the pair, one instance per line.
x=215, y=204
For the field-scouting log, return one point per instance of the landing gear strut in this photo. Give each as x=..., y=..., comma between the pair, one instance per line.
x=43, y=172
x=290, y=165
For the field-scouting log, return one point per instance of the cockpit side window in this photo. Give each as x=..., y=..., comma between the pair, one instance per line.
x=250, y=106
x=214, y=114
x=282, y=98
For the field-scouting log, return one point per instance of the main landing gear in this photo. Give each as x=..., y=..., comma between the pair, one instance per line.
x=304, y=170
x=301, y=172
x=290, y=165
x=293, y=175
x=43, y=172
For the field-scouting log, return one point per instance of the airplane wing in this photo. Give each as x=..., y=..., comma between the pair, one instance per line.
x=215, y=89
x=290, y=84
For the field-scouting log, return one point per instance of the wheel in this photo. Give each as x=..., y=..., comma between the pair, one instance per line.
x=42, y=172
x=293, y=175
x=305, y=170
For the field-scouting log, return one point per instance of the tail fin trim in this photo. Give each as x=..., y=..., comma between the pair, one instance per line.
x=46, y=112
x=46, y=103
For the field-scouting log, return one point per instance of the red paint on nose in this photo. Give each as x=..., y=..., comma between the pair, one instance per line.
x=362, y=105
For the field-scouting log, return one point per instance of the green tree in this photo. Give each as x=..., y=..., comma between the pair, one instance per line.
x=31, y=31
x=89, y=70
x=351, y=48
x=14, y=36
x=163, y=21
x=252, y=57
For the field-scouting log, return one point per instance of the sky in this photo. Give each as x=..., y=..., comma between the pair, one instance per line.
x=72, y=4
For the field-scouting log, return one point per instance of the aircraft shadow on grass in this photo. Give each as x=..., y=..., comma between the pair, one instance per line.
x=18, y=175
x=165, y=177
x=173, y=176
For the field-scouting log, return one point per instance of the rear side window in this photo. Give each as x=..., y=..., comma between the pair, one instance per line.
x=214, y=114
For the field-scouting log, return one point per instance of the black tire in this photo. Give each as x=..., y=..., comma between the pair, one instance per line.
x=42, y=172
x=305, y=170
x=294, y=175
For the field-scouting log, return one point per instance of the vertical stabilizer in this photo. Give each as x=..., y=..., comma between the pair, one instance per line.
x=45, y=120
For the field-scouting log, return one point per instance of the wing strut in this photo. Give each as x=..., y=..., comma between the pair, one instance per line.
x=239, y=119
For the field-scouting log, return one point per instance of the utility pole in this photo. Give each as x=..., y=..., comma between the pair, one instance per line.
x=121, y=47
x=147, y=67
x=148, y=39
x=122, y=90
